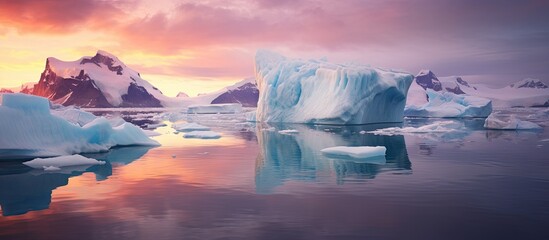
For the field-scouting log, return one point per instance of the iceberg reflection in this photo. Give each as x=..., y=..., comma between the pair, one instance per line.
x=285, y=157
x=23, y=189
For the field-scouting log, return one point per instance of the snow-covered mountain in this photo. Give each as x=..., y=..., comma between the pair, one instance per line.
x=529, y=83
x=524, y=93
x=98, y=81
x=244, y=92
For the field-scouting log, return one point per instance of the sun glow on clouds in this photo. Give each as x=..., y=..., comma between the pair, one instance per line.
x=179, y=43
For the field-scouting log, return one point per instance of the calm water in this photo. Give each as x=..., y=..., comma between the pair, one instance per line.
x=255, y=183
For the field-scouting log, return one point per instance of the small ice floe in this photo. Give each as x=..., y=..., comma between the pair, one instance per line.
x=288, y=131
x=268, y=129
x=544, y=140
x=362, y=132
x=436, y=127
x=56, y=163
x=189, y=127
x=155, y=125
x=151, y=133
x=498, y=122
x=226, y=108
x=174, y=156
x=360, y=152
x=203, y=153
x=51, y=168
x=202, y=135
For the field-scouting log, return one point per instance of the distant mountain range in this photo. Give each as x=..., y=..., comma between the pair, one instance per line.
x=525, y=93
x=103, y=81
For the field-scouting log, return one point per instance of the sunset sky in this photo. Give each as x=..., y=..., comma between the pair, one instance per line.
x=200, y=46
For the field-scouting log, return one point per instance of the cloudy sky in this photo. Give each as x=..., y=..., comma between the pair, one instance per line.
x=200, y=46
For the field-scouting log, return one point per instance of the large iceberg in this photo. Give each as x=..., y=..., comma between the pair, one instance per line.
x=315, y=91
x=28, y=129
x=450, y=105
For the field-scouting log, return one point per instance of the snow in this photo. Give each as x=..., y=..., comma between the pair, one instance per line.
x=202, y=135
x=288, y=131
x=189, y=127
x=226, y=108
x=56, y=163
x=450, y=105
x=499, y=122
x=436, y=127
x=355, y=152
x=313, y=91
x=28, y=129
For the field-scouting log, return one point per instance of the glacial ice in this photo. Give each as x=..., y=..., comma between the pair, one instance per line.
x=56, y=163
x=202, y=135
x=29, y=129
x=288, y=131
x=315, y=91
x=499, y=122
x=450, y=105
x=227, y=108
x=189, y=127
x=355, y=152
x=436, y=127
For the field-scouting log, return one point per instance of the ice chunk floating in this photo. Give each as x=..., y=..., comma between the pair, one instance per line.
x=355, y=152
x=450, y=105
x=299, y=91
x=498, y=122
x=56, y=163
x=227, y=108
x=28, y=129
x=202, y=135
x=189, y=127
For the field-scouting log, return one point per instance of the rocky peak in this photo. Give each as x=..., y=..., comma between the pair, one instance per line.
x=427, y=79
x=529, y=83
x=107, y=59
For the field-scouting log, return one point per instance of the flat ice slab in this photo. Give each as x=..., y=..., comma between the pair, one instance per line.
x=228, y=108
x=436, y=127
x=288, y=131
x=202, y=135
x=56, y=163
x=189, y=127
x=497, y=122
x=355, y=152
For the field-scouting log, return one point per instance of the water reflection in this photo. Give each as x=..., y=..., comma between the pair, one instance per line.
x=23, y=189
x=285, y=157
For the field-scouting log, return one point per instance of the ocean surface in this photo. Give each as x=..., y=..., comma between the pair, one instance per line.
x=256, y=183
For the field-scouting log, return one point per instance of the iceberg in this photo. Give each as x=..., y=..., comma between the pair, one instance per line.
x=355, y=152
x=499, y=122
x=202, y=135
x=315, y=91
x=29, y=129
x=450, y=105
x=227, y=108
x=56, y=163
